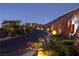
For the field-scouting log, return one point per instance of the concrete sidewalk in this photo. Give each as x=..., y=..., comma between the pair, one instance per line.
x=29, y=53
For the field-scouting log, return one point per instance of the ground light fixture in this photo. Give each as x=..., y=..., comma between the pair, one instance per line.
x=54, y=32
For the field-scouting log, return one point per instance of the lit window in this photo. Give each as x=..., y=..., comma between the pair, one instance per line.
x=69, y=24
x=52, y=28
x=59, y=30
x=47, y=29
x=41, y=28
x=38, y=27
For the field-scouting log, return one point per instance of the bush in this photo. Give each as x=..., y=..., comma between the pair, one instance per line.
x=63, y=47
x=19, y=31
x=3, y=33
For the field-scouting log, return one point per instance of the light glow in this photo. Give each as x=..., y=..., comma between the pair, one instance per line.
x=40, y=53
x=54, y=32
x=47, y=29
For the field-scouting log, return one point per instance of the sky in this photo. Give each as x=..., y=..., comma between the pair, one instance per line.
x=34, y=12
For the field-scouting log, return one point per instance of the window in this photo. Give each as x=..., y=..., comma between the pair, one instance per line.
x=47, y=29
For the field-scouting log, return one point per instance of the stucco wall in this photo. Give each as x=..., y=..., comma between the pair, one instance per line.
x=61, y=23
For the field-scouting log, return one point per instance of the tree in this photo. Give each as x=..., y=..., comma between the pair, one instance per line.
x=11, y=25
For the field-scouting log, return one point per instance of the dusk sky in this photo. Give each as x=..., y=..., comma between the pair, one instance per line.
x=29, y=13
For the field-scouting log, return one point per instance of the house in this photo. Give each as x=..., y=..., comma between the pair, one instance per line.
x=67, y=24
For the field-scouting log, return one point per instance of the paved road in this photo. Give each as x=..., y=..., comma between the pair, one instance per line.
x=11, y=46
x=7, y=38
x=20, y=53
